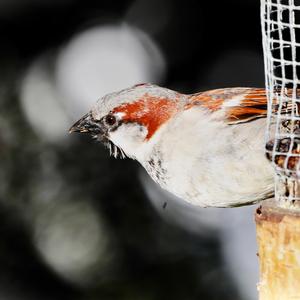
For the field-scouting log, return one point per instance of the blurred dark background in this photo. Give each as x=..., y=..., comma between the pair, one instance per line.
x=77, y=224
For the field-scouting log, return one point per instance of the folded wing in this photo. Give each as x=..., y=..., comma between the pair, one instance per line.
x=239, y=105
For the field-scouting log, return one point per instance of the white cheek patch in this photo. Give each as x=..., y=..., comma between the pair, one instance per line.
x=129, y=137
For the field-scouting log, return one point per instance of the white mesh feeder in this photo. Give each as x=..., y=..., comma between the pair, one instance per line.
x=278, y=222
x=281, y=41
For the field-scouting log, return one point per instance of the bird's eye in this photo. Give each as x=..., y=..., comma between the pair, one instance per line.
x=110, y=120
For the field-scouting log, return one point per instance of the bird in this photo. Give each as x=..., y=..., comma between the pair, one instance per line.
x=206, y=148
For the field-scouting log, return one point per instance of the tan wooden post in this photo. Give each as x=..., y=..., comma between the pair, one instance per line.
x=278, y=236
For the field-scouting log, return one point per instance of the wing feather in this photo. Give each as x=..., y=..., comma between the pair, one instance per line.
x=238, y=104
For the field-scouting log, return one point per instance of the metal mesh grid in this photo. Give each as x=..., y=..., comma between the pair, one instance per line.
x=281, y=43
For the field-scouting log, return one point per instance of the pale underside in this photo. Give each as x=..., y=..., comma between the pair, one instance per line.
x=207, y=162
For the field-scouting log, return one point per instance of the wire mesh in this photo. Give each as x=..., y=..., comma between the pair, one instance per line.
x=281, y=42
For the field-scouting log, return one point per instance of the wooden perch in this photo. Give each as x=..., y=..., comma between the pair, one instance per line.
x=278, y=236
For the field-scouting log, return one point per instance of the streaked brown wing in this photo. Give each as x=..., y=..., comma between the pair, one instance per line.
x=253, y=105
x=239, y=104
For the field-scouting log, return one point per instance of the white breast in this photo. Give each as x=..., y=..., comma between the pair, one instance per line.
x=208, y=163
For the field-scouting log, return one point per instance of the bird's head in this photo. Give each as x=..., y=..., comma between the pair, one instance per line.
x=127, y=121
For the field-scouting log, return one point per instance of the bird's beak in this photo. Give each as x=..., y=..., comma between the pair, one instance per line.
x=86, y=124
x=81, y=125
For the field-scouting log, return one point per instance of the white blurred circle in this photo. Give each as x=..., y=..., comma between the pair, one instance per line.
x=104, y=59
x=73, y=242
x=41, y=103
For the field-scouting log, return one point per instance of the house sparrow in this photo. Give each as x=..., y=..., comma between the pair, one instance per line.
x=206, y=148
